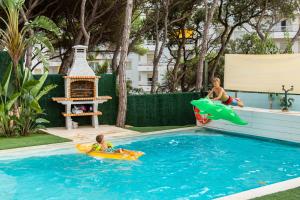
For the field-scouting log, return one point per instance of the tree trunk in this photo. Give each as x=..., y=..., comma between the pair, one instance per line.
x=28, y=61
x=184, y=68
x=174, y=74
x=209, y=13
x=82, y=23
x=225, y=40
x=66, y=62
x=68, y=58
x=158, y=53
x=154, y=76
x=114, y=64
x=121, y=119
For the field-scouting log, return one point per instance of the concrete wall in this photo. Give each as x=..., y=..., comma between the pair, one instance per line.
x=263, y=123
x=260, y=100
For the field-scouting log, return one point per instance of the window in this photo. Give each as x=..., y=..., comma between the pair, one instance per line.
x=283, y=25
x=149, y=79
x=94, y=64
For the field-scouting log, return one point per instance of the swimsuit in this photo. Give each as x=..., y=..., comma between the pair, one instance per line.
x=231, y=101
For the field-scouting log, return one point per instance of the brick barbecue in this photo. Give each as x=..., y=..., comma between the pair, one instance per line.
x=81, y=90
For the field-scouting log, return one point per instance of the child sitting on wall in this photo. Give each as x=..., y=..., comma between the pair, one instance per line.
x=222, y=95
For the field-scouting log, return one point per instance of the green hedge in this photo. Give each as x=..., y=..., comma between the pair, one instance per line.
x=161, y=109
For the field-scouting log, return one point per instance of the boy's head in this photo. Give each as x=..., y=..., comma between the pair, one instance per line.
x=216, y=82
x=100, y=138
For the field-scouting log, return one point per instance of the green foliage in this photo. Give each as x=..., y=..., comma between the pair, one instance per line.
x=6, y=104
x=132, y=90
x=42, y=22
x=28, y=119
x=24, y=117
x=289, y=47
x=15, y=39
x=30, y=111
x=252, y=44
x=140, y=50
x=102, y=69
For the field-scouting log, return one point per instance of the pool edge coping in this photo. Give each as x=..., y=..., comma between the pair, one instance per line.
x=264, y=190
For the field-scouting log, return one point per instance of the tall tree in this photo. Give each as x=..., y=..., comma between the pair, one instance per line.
x=231, y=15
x=209, y=13
x=272, y=13
x=122, y=109
x=160, y=39
x=28, y=14
x=86, y=34
x=84, y=22
x=179, y=15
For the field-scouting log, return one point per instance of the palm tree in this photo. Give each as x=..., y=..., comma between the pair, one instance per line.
x=15, y=40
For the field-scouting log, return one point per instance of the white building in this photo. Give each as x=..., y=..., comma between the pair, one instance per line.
x=139, y=68
x=279, y=33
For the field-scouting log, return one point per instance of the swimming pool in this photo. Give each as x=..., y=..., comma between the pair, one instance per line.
x=180, y=165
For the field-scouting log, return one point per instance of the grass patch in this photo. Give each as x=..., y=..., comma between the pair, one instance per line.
x=32, y=140
x=156, y=128
x=292, y=194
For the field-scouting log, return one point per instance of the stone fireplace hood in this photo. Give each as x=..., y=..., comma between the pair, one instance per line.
x=80, y=66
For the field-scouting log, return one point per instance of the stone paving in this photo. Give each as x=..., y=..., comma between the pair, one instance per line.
x=87, y=134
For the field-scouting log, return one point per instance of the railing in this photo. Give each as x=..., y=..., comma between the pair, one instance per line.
x=290, y=28
x=145, y=83
x=152, y=42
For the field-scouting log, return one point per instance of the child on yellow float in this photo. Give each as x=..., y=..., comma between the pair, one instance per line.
x=102, y=146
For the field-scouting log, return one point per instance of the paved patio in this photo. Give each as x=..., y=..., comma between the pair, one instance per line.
x=87, y=134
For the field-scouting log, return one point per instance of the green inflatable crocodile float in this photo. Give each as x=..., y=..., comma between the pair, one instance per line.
x=217, y=110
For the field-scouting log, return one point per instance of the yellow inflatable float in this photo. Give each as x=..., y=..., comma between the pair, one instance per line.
x=126, y=155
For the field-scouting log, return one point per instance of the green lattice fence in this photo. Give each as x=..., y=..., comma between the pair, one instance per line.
x=161, y=109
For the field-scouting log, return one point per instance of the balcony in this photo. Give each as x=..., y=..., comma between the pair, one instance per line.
x=281, y=32
x=145, y=68
x=150, y=45
x=290, y=28
x=145, y=83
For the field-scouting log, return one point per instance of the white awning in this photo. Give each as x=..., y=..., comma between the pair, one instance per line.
x=262, y=73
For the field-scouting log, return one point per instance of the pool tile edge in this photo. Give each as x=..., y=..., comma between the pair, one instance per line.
x=263, y=191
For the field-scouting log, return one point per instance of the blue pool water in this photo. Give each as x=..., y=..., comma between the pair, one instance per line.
x=190, y=165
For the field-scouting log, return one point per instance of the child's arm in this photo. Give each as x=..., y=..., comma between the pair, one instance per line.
x=209, y=94
x=92, y=149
